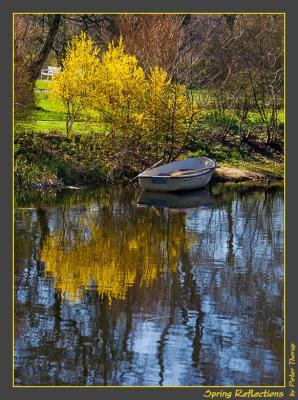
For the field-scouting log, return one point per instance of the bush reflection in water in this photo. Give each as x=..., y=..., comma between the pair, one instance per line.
x=108, y=293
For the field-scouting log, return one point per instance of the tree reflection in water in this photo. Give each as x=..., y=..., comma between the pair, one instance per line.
x=108, y=293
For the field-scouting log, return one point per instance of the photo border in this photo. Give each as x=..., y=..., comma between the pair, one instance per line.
x=286, y=191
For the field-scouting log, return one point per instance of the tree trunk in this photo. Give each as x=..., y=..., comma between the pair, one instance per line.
x=35, y=68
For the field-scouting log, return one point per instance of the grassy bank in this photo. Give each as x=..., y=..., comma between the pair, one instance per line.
x=243, y=161
x=46, y=160
x=53, y=160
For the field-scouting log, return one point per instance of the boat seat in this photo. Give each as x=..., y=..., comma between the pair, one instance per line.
x=183, y=172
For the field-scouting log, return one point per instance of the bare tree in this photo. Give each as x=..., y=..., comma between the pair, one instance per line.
x=239, y=61
x=53, y=22
x=23, y=85
x=156, y=40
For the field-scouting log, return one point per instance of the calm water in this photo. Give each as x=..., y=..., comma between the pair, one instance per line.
x=178, y=290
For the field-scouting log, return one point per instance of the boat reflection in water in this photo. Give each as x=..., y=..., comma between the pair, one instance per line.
x=178, y=200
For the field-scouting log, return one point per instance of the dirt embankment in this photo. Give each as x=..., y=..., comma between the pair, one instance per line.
x=232, y=174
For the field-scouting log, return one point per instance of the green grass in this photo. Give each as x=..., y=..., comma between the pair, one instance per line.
x=253, y=117
x=42, y=84
x=50, y=114
x=206, y=101
x=48, y=125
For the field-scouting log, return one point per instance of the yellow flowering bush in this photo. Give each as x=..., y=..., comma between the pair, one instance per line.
x=119, y=96
x=145, y=117
x=76, y=83
x=168, y=114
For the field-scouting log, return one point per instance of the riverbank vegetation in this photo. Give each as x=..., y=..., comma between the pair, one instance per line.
x=134, y=89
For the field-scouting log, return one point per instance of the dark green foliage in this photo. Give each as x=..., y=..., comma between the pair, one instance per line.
x=55, y=160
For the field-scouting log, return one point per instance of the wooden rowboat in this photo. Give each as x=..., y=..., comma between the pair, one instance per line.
x=189, y=174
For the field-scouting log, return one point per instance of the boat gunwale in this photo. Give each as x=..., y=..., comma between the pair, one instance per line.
x=208, y=169
x=179, y=177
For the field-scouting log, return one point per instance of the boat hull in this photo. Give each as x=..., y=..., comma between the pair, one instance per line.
x=172, y=184
x=189, y=174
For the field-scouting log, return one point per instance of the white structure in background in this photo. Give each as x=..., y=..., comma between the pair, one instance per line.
x=49, y=72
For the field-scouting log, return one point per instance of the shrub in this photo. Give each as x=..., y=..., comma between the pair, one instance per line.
x=145, y=117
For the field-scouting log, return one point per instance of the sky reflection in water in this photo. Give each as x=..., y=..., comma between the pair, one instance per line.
x=108, y=292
